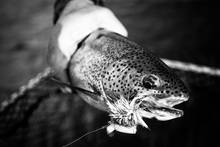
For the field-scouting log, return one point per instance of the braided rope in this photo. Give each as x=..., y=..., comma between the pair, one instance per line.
x=30, y=85
x=200, y=69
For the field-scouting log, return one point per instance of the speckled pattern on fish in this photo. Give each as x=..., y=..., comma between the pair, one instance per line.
x=127, y=80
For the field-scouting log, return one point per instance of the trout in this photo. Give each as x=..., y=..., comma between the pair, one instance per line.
x=117, y=75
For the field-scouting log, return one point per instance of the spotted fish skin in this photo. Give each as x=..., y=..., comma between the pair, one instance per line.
x=127, y=80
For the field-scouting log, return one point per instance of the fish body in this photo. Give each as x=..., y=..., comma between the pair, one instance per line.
x=118, y=76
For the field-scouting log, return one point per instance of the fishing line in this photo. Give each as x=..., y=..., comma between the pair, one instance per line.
x=96, y=130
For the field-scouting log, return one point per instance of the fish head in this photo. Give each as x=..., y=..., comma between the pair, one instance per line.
x=159, y=90
x=147, y=89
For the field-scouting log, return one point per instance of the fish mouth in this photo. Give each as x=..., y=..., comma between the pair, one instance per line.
x=170, y=100
x=164, y=113
x=162, y=109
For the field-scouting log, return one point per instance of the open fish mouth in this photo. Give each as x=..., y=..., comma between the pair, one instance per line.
x=164, y=113
x=162, y=109
x=170, y=100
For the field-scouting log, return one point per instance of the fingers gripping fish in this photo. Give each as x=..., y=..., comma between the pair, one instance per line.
x=126, y=80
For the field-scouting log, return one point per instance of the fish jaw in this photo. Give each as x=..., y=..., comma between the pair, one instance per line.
x=161, y=109
x=165, y=113
x=172, y=100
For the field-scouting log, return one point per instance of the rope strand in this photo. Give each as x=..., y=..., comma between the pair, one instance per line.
x=200, y=69
x=23, y=89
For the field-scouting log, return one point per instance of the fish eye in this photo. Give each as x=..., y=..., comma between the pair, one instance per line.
x=150, y=81
x=147, y=84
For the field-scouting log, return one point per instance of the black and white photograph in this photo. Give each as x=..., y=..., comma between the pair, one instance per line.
x=109, y=73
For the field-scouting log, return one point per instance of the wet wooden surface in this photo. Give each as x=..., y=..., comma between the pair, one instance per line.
x=178, y=29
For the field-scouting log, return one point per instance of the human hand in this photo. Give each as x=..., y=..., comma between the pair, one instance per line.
x=78, y=21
